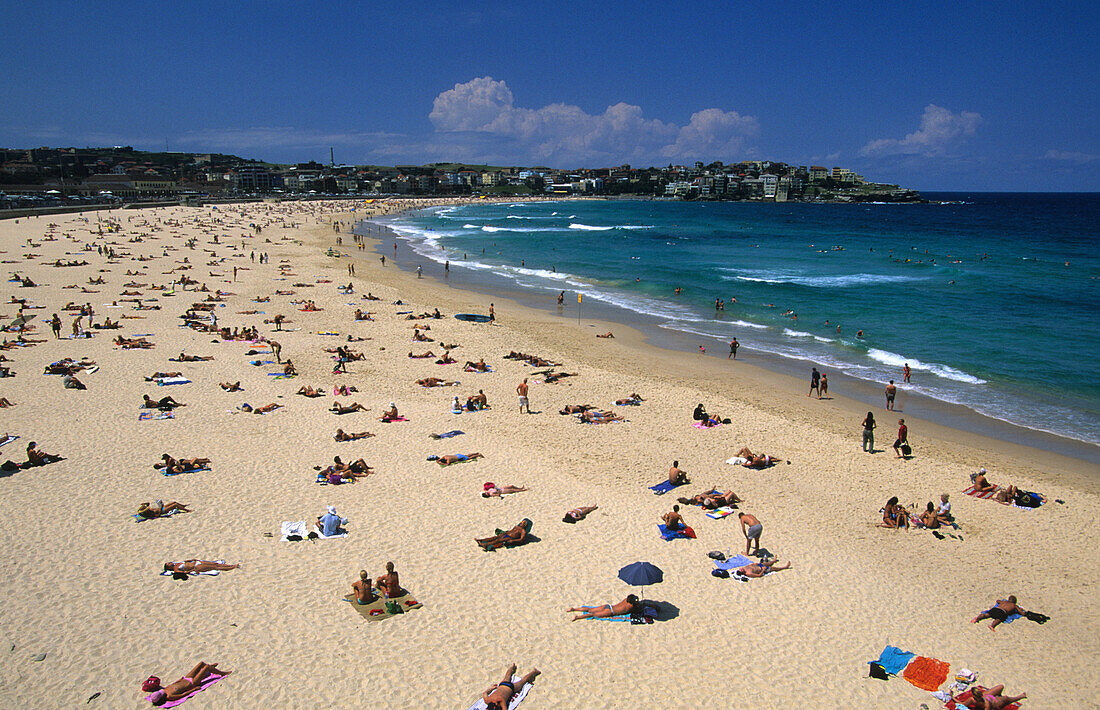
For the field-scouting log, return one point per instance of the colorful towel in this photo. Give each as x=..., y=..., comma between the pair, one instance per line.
x=648, y=612
x=399, y=419
x=210, y=680
x=893, y=660
x=972, y=491
x=719, y=513
x=141, y=518
x=376, y=610
x=926, y=673
x=164, y=382
x=190, y=470
x=8, y=440
x=735, y=562
x=699, y=425
x=143, y=416
x=516, y=699
x=661, y=488
x=684, y=532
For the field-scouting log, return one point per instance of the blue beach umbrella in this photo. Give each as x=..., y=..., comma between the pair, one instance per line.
x=641, y=574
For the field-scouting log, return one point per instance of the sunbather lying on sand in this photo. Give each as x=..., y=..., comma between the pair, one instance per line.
x=761, y=568
x=498, y=696
x=578, y=513
x=162, y=403
x=515, y=536
x=307, y=391
x=338, y=408
x=711, y=500
x=131, y=343
x=608, y=334
x=632, y=400
x=626, y=606
x=160, y=508
x=341, y=436
x=422, y=356
x=182, y=687
x=183, y=357
x=435, y=382
x=760, y=460
x=232, y=386
x=596, y=417
x=982, y=698
x=162, y=376
x=491, y=490
x=478, y=366
x=360, y=315
x=171, y=465
x=189, y=566
x=446, y=359
x=5, y=403
x=574, y=408
x=448, y=459
x=1003, y=609
x=246, y=407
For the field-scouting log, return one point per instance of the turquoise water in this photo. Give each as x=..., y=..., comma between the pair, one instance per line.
x=992, y=299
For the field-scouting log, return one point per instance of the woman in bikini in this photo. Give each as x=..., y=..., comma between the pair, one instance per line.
x=982, y=698
x=578, y=513
x=182, y=687
x=894, y=516
x=160, y=509
x=493, y=491
x=341, y=436
x=197, y=566
x=626, y=606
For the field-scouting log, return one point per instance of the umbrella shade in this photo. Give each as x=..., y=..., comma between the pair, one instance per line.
x=640, y=574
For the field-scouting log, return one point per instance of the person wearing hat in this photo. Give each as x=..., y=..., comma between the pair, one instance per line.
x=391, y=414
x=182, y=687
x=330, y=523
x=982, y=484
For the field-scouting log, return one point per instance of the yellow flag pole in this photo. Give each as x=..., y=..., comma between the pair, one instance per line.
x=578, y=309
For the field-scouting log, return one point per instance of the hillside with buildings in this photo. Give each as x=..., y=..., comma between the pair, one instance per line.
x=29, y=177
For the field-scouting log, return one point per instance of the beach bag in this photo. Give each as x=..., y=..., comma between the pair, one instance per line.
x=906, y=449
x=394, y=608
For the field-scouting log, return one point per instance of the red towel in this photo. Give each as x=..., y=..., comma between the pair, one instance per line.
x=965, y=698
x=926, y=673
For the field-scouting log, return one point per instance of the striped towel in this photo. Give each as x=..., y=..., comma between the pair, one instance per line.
x=971, y=491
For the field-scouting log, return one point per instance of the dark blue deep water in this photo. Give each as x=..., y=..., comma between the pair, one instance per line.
x=992, y=299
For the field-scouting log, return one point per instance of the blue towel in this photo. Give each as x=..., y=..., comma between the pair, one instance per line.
x=734, y=562
x=893, y=660
x=667, y=534
x=190, y=470
x=661, y=488
x=449, y=434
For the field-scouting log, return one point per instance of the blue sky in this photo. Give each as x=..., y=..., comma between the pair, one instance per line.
x=950, y=96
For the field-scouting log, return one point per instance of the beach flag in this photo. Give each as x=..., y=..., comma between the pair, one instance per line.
x=578, y=298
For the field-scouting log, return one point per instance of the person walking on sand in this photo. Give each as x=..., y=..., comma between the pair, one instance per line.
x=902, y=441
x=521, y=390
x=824, y=390
x=733, y=349
x=492, y=314
x=891, y=391
x=869, y=433
x=383, y=259
x=55, y=325
x=815, y=383
x=751, y=529
x=419, y=271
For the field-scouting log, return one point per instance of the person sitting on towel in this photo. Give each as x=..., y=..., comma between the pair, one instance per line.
x=1003, y=609
x=982, y=484
x=626, y=606
x=390, y=414
x=330, y=523
x=761, y=568
x=928, y=518
x=673, y=520
x=388, y=583
x=39, y=458
x=364, y=591
x=183, y=687
x=498, y=696
x=677, y=477
x=894, y=516
x=160, y=509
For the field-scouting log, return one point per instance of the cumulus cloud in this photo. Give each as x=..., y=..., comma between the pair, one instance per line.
x=940, y=130
x=1071, y=156
x=563, y=133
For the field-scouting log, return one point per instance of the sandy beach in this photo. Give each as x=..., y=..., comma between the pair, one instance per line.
x=82, y=580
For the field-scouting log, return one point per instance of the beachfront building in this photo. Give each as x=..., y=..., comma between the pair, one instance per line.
x=770, y=184
x=254, y=178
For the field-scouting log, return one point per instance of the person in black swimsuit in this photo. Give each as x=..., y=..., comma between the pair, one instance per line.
x=498, y=696
x=1003, y=609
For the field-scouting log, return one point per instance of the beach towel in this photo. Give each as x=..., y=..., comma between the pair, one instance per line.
x=141, y=518
x=8, y=440
x=893, y=660
x=257, y=363
x=661, y=488
x=719, y=513
x=647, y=612
x=444, y=435
x=926, y=673
x=343, y=533
x=190, y=470
x=733, y=563
x=399, y=419
x=516, y=699
x=376, y=610
x=210, y=680
x=165, y=381
x=327, y=332
x=685, y=532
x=208, y=573
x=291, y=529
x=737, y=461
x=142, y=416
x=699, y=425
x=972, y=491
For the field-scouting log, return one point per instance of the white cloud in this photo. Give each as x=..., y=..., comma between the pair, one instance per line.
x=1071, y=156
x=564, y=134
x=940, y=130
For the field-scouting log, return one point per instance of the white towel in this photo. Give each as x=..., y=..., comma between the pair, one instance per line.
x=293, y=528
x=737, y=460
x=516, y=699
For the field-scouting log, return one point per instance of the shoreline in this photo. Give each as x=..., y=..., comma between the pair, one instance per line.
x=944, y=420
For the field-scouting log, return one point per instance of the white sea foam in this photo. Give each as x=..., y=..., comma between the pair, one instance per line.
x=898, y=361
x=594, y=228
x=822, y=281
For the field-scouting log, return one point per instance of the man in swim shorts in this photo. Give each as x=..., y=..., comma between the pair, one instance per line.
x=1003, y=609
x=751, y=528
x=891, y=392
x=815, y=382
x=521, y=390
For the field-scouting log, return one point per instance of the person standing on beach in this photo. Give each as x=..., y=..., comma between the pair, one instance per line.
x=751, y=529
x=55, y=325
x=275, y=350
x=824, y=386
x=903, y=438
x=447, y=267
x=869, y=433
x=521, y=390
x=905, y=373
x=815, y=383
x=383, y=260
x=493, y=317
x=561, y=299
x=419, y=271
x=891, y=392
x=733, y=349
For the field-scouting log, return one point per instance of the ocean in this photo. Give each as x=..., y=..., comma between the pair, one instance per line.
x=992, y=299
